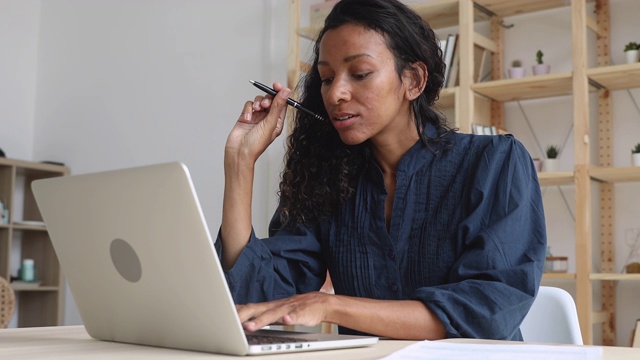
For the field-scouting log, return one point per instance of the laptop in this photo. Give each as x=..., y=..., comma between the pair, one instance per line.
x=139, y=260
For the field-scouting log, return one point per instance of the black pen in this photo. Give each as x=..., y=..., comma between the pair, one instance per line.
x=290, y=101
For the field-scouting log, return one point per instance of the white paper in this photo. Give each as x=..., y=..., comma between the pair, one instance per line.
x=455, y=350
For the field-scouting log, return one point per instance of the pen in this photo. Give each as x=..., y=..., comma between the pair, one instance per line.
x=290, y=101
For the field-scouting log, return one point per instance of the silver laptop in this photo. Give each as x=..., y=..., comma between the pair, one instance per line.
x=140, y=263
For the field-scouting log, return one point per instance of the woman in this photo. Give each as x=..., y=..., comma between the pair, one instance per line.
x=426, y=233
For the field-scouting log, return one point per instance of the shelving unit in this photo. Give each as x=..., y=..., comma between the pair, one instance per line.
x=483, y=103
x=22, y=237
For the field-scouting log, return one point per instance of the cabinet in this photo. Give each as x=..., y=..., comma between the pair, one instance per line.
x=593, y=178
x=24, y=236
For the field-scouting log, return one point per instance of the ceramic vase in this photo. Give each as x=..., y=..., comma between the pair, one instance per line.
x=632, y=56
x=550, y=165
x=516, y=73
x=538, y=164
x=541, y=69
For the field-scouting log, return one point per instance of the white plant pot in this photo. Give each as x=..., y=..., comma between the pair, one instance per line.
x=538, y=164
x=516, y=72
x=550, y=165
x=632, y=56
x=541, y=69
x=635, y=159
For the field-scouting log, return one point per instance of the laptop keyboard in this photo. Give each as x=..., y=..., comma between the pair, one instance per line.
x=268, y=339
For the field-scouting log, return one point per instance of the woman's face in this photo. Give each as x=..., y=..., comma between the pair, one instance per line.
x=361, y=90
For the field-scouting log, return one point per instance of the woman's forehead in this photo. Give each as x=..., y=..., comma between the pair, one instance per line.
x=351, y=39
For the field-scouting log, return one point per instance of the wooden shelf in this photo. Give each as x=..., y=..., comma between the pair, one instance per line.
x=593, y=276
x=558, y=276
x=556, y=178
x=447, y=98
x=23, y=166
x=29, y=228
x=444, y=13
x=42, y=303
x=614, y=175
x=615, y=277
x=34, y=288
x=505, y=8
x=599, y=317
x=617, y=77
x=438, y=14
x=531, y=87
x=308, y=32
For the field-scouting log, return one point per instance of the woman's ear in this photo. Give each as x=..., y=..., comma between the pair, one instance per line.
x=416, y=79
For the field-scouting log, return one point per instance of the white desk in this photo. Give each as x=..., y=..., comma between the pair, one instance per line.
x=73, y=342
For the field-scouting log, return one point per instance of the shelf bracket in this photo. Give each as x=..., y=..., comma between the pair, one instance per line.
x=596, y=84
x=490, y=13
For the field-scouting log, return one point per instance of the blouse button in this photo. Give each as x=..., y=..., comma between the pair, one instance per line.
x=394, y=287
x=391, y=254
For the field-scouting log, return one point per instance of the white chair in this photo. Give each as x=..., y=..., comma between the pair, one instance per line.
x=552, y=318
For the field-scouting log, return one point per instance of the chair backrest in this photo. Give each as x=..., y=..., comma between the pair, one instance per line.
x=7, y=303
x=552, y=318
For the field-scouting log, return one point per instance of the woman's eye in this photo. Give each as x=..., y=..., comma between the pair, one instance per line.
x=326, y=81
x=361, y=76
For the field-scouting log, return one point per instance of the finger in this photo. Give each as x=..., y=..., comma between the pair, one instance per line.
x=256, y=316
x=247, y=112
x=262, y=102
x=279, y=109
x=257, y=323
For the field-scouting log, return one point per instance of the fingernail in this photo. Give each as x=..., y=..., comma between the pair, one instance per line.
x=247, y=116
x=285, y=93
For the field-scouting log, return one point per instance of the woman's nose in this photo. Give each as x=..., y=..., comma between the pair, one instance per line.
x=338, y=92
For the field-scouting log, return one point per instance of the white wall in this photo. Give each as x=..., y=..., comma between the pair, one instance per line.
x=126, y=83
x=19, y=27
x=104, y=84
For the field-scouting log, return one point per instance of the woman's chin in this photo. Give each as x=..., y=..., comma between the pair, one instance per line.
x=351, y=140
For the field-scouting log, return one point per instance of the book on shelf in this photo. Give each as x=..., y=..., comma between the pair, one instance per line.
x=455, y=65
x=443, y=46
x=448, y=56
x=479, y=129
x=481, y=62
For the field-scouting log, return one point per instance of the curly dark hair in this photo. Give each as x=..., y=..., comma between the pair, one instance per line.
x=320, y=170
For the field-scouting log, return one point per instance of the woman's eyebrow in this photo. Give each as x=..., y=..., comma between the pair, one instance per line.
x=346, y=59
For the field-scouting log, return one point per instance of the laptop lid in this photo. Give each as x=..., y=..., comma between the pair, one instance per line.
x=139, y=260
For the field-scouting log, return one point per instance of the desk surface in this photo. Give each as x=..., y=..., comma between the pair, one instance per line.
x=73, y=342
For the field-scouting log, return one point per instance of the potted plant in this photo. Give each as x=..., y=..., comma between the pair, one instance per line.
x=540, y=68
x=516, y=70
x=635, y=155
x=632, y=52
x=551, y=162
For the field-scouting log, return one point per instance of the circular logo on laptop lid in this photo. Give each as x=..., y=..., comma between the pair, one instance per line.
x=126, y=260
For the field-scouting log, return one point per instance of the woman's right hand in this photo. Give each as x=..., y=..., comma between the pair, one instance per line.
x=260, y=122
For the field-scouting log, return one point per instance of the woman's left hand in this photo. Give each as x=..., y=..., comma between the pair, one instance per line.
x=308, y=309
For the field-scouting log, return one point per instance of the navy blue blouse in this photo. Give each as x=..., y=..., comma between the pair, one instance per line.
x=467, y=238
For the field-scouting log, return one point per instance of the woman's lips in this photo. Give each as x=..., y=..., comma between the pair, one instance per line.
x=341, y=121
